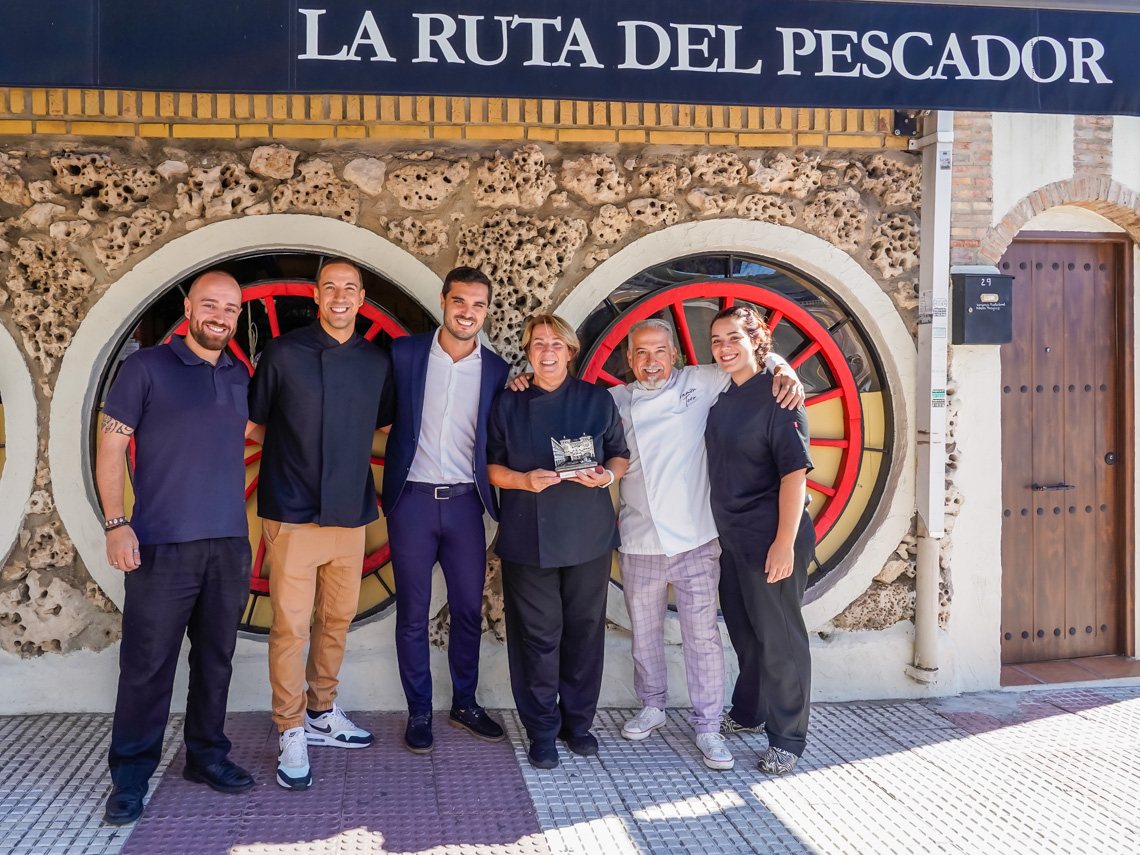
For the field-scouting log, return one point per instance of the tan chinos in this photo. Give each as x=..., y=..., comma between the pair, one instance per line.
x=314, y=579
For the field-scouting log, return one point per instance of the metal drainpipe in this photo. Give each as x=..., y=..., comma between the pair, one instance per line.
x=933, y=321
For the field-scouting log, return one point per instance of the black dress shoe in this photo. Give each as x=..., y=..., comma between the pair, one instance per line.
x=542, y=755
x=417, y=735
x=584, y=745
x=124, y=805
x=225, y=777
x=474, y=720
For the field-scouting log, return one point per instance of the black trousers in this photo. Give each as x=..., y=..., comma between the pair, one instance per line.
x=197, y=589
x=556, y=638
x=766, y=625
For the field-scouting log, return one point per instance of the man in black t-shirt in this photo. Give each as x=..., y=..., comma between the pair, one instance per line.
x=185, y=552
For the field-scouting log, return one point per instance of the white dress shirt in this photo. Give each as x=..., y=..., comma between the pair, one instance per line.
x=446, y=450
x=665, y=492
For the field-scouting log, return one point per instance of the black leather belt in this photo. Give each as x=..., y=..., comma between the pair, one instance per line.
x=441, y=491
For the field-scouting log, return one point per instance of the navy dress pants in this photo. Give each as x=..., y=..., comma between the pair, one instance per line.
x=423, y=531
x=197, y=589
x=556, y=643
x=766, y=625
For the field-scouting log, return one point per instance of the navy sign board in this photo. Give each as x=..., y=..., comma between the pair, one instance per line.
x=803, y=53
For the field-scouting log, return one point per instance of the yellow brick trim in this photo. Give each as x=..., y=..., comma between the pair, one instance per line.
x=676, y=138
x=390, y=132
x=546, y=134
x=188, y=131
x=766, y=140
x=304, y=132
x=222, y=115
x=15, y=127
x=853, y=141
x=593, y=135
x=103, y=129
x=253, y=131
x=495, y=132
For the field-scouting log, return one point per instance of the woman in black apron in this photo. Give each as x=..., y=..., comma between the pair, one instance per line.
x=758, y=464
x=556, y=538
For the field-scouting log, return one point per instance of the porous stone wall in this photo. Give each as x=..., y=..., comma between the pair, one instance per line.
x=75, y=216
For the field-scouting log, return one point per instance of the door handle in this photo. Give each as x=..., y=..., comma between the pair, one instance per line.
x=1040, y=488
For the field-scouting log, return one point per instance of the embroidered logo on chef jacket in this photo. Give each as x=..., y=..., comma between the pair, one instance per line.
x=689, y=397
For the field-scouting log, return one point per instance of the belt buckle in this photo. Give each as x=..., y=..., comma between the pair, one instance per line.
x=446, y=488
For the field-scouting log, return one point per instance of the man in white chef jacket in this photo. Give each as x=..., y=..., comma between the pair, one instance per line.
x=667, y=531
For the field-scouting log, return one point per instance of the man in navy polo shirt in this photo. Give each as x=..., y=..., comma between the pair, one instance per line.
x=185, y=551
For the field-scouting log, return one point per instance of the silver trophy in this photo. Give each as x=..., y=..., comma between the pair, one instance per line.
x=572, y=456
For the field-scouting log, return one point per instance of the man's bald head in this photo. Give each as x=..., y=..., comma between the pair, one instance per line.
x=213, y=279
x=212, y=307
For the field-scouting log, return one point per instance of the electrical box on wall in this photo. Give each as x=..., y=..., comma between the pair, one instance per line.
x=982, y=308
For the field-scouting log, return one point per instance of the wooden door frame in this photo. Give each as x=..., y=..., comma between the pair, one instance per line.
x=1125, y=341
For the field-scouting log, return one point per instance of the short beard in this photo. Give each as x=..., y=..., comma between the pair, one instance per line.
x=462, y=334
x=208, y=340
x=654, y=385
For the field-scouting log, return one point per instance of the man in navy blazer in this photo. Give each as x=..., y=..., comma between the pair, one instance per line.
x=435, y=492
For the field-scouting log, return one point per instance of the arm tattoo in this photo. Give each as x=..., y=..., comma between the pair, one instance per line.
x=111, y=425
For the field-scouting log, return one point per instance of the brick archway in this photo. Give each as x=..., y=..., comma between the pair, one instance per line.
x=1101, y=195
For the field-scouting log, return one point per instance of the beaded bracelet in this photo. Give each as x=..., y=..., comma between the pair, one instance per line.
x=112, y=524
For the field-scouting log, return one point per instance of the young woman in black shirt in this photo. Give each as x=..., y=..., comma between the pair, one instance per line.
x=758, y=463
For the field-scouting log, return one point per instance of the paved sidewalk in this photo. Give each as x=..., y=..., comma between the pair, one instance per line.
x=1034, y=773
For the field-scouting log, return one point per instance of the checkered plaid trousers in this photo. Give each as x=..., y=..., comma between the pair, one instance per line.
x=694, y=576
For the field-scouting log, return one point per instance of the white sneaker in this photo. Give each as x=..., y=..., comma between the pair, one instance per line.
x=335, y=728
x=643, y=724
x=293, y=760
x=716, y=754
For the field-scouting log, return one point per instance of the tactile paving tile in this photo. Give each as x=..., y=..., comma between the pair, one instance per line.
x=173, y=836
x=1054, y=772
x=500, y=830
x=54, y=783
x=296, y=835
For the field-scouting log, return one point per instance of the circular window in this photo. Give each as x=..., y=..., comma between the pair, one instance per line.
x=847, y=402
x=277, y=297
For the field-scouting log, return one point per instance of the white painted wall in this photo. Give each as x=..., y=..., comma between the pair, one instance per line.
x=1126, y=151
x=975, y=563
x=1070, y=218
x=21, y=437
x=1029, y=151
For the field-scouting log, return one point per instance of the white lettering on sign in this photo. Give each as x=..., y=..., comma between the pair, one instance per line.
x=697, y=47
x=730, y=53
x=831, y=52
x=578, y=41
x=663, y=44
x=537, y=36
x=312, y=51
x=441, y=39
x=685, y=47
x=471, y=38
